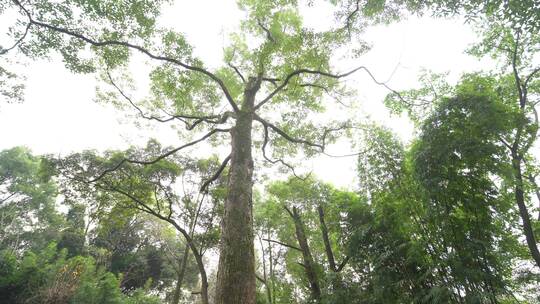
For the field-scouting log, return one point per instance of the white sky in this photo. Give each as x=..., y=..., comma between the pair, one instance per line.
x=59, y=115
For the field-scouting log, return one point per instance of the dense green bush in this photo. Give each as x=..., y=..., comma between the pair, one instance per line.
x=48, y=276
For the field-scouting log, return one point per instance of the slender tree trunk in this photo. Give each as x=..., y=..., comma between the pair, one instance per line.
x=326, y=239
x=265, y=276
x=180, y=277
x=204, y=279
x=523, y=212
x=236, y=270
x=532, y=179
x=196, y=254
x=309, y=264
x=337, y=282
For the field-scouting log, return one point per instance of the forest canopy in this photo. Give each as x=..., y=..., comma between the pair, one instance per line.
x=227, y=212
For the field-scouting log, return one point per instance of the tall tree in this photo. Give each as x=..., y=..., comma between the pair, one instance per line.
x=27, y=201
x=437, y=222
x=154, y=189
x=516, y=47
x=305, y=217
x=456, y=159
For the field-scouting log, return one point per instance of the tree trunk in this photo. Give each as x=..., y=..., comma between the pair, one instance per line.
x=537, y=192
x=525, y=218
x=180, y=278
x=326, y=239
x=198, y=259
x=337, y=281
x=271, y=266
x=204, y=279
x=309, y=264
x=236, y=270
x=265, y=276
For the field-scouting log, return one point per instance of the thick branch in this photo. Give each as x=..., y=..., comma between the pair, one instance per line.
x=517, y=78
x=204, y=187
x=267, y=31
x=284, y=134
x=299, y=72
x=343, y=263
x=326, y=239
x=213, y=119
x=351, y=15
x=532, y=180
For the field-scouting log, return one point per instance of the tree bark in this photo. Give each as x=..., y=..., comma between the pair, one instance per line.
x=326, y=239
x=198, y=259
x=180, y=277
x=532, y=179
x=337, y=281
x=309, y=264
x=236, y=269
x=525, y=217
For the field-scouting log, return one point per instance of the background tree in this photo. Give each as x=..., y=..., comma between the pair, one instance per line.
x=304, y=217
x=167, y=191
x=33, y=268
x=27, y=205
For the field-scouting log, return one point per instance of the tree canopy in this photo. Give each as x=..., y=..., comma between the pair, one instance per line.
x=445, y=218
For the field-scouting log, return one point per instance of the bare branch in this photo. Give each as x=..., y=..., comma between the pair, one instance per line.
x=297, y=73
x=8, y=197
x=212, y=119
x=283, y=244
x=505, y=143
x=289, y=138
x=291, y=214
x=19, y=41
x=279, y=160
x=314, y=85
x=237, y=71
x=320, y=73
x=155, y=160
x=532, y=75
x=267, y=31
x=283, y=134
x=260, y=279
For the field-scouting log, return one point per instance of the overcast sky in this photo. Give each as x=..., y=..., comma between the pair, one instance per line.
x=59, y=115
